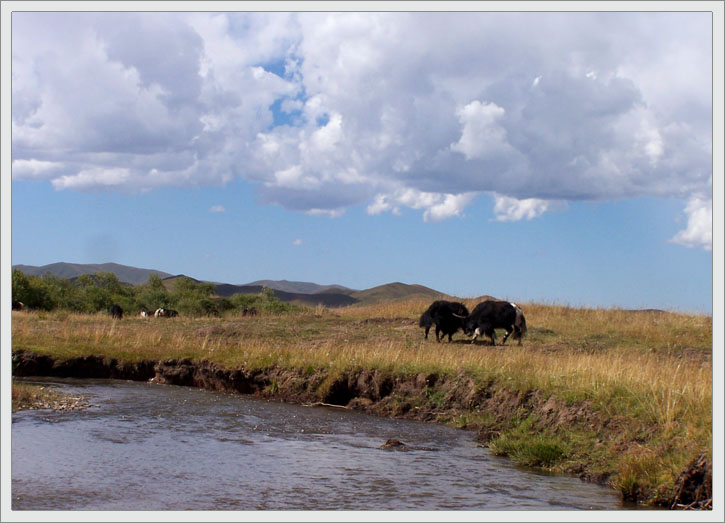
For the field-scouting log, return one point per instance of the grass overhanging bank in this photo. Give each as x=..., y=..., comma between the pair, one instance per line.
x=619, y=397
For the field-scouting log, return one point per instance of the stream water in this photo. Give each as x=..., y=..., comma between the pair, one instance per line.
x=143, y=446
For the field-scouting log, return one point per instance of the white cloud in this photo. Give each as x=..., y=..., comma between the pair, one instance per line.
x=323, y=111
x=217, y=208
x=481, y=133
x=34, y=169
x=511, y=209
x=452, y=205
x=297, y=242
x=93, y=179
x=699, y=225
x=382, y=203
x=329, y=213
x=326, y=138
x=436, y=206
x=293, y=177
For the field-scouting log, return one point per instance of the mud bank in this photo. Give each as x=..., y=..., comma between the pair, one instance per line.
x=485, y=408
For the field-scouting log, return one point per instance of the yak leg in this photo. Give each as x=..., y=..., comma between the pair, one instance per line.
x=426, y=331
x=475, y=335
x=491, y=334
x=438, y=331
x=509, y=331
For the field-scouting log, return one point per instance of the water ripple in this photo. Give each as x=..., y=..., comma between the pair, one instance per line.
x=154, y=447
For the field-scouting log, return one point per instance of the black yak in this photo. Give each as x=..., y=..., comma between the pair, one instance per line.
x=492, y=314
x=251, y=311
x=116, y=311
x=447, y=316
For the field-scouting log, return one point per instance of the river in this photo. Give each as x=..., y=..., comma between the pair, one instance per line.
x=144, y=446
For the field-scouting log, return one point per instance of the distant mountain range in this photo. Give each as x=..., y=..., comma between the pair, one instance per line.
x=329, y=299
x=124, y=273
x=287, y=291
x=301, y=287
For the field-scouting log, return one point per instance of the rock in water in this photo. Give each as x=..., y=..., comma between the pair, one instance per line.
x=396, y=444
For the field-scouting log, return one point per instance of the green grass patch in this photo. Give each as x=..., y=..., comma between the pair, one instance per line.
x=530, y=449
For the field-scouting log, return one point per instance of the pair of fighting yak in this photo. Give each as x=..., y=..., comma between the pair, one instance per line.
x=489, y=315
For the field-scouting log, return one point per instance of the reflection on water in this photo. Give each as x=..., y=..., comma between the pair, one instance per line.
x=153, y=447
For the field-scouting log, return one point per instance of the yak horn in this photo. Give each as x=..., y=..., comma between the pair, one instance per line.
x=459, y=316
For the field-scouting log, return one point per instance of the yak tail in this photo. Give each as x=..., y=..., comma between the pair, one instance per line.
x=520, y=322
x=425, y=320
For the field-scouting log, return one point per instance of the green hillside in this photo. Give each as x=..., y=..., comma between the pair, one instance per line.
x=396, y=291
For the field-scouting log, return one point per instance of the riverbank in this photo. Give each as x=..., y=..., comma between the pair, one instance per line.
x=28, y=396
x=582, y=396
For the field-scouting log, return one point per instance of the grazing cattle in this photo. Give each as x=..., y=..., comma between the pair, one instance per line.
x=447, y=316
x=490, y=315
x=146, y=314
x=252, y=311
x=165, y=313
x=116, y=311
x=18, y=305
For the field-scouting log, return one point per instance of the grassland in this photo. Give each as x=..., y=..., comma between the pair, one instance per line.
x=620, y=395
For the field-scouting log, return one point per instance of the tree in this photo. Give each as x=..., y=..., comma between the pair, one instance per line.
x=33, y=291
x=153, y=294
x=194, y=298
x=21, y=287
x=185, y=286
x=109, y=281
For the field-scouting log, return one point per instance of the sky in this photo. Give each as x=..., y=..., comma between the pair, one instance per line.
x=548, y=157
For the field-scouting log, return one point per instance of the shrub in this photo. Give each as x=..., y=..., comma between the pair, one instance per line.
x=91, y=293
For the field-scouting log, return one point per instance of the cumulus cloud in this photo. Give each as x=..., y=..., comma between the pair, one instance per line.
x=481, y=132
x=699, y=225
x=297, y=242
x=93, y=179
x=324, y=111
x=511, y=209
x=452, y=205
x=436, y=206
x=35, y=169
x=217, y=208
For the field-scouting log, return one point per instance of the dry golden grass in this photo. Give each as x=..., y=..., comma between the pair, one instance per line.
x=660, y=362
x=652, y=371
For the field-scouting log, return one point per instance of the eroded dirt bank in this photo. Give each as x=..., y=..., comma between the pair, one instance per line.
x=457, y=399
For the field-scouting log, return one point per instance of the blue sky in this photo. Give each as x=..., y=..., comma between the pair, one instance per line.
x=540, y=157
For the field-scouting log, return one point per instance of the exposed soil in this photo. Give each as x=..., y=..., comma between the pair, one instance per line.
x=694, y=486
x=431, y=398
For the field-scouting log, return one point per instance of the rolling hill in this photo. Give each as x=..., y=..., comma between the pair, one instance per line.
x=396, y=291
x=328, y=299
x=304, y=293
x=302, y=287
x=124, y=273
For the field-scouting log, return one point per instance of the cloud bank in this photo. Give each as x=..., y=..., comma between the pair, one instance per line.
x=324, y=111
